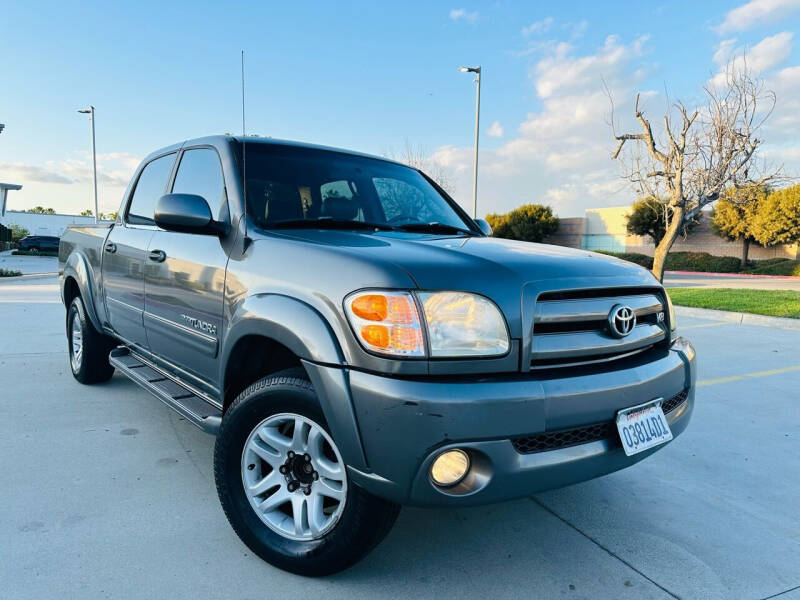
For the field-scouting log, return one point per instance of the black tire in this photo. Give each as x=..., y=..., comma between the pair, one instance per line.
x=93, y=366
x=364, y=522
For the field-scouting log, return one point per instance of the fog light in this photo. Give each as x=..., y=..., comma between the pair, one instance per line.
x=450, y=467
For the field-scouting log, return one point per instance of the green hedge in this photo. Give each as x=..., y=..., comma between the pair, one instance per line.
x=782, y=266
x=634, y=257
x=9, y=273
x=34, y=253
x=701, y=262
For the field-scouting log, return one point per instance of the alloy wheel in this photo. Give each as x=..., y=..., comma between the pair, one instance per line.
x=294, y=476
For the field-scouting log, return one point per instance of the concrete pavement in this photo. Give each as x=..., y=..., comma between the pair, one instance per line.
x=108, y=494
x=28, y=264
x=717, y=280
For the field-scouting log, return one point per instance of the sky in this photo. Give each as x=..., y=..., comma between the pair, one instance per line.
x=373, y=77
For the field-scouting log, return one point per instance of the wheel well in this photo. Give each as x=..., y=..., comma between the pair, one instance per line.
x=71, y=291
x=252, y=358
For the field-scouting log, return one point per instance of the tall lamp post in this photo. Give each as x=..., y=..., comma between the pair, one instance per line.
x=90, y=111
x=477, y=71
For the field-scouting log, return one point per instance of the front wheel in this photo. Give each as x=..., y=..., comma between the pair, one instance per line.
x=284, y=486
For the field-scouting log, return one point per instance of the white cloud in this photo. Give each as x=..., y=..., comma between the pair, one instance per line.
x=32, y=173
x=562, y=71
x=538, y=26
x=756, y=12
x=560, y=153
x=495, y=130
x=66, y=184
x=765, y=55
x=462, y=14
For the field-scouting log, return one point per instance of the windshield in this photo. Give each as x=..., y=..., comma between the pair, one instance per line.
x=294, y=186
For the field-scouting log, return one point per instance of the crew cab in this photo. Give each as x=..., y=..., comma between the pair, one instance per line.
x=357, y=342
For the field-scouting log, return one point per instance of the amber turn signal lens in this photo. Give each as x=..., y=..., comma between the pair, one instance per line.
x=372, y=307
x=386, y=322
x=376, y=335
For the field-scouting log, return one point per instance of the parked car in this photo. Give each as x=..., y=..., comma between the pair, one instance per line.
x=356, y=342
x=40, y=243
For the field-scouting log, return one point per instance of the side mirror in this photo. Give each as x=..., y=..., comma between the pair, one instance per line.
x=484, y=226
x=187, y=213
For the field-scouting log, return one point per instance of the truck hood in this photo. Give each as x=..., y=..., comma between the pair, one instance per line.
x=509, y=272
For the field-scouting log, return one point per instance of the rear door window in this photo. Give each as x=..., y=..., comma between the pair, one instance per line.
x=149, y=189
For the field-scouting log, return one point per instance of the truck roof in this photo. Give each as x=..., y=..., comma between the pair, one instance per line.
x=221, y=140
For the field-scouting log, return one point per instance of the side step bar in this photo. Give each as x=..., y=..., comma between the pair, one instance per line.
x=179, y=398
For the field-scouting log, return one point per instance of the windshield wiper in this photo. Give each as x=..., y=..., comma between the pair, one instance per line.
x=435, y=227
x=327, y=223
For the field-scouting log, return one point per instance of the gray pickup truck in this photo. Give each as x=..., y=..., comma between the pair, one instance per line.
x=356, y=342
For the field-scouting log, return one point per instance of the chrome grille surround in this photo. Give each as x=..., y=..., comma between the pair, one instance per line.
x=572, y=327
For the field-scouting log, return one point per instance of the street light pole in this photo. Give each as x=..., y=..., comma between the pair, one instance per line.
x=90, y=112
x=477, y=71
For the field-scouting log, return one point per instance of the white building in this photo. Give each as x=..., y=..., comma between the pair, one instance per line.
x=40, y=224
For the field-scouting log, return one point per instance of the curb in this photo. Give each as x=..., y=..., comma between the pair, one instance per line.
x=737, y=317
x=752, y=275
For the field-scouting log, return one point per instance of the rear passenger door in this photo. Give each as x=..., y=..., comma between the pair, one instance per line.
x=124, y=253
x=185, y=280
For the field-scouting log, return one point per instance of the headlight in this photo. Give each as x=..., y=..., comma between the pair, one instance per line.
x=458, y=324
x=462, y=324
x=386, y=322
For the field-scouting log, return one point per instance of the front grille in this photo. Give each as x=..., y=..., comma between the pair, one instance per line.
x=565, y=438
x=669, y=405
x=571, y=327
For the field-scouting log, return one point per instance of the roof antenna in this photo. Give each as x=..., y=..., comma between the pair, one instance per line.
x=244, y=162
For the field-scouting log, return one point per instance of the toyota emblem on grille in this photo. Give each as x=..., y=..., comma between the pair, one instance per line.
x=621, y=320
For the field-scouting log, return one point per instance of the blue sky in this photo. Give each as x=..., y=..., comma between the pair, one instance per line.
x=369, y=76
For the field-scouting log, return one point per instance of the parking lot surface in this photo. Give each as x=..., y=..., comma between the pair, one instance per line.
x=108, y=494
x=724, y=280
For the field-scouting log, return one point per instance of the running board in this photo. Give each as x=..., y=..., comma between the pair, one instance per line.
x=179, y=398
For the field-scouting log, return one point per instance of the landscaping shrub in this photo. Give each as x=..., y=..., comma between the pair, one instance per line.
x=634, y=257
x=9, y=273
x=702, y=262
x=782, y=267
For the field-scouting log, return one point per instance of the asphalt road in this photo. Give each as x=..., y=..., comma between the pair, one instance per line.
x=716, y=280
x=106, y=493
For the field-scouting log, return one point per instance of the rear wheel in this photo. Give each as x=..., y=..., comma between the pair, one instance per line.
x=284, y=486
x=88, y=349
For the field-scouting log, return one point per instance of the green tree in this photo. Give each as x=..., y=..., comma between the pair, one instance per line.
x=17, y=232
x=112, y=216
x=41, y=210
x=87, y=212
x=778, y=221
x=527, y=223
x=650, y=216
x=735, y=214
x=499, y=223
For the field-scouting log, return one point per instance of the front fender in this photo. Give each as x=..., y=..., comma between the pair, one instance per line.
x=307, y=334
x=290, y=322
x=77, y=267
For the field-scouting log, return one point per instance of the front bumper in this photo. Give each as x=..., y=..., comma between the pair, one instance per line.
x=403, y=424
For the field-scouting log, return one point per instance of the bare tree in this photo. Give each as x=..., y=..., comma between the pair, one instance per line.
x=419, y=158
x=700, y=152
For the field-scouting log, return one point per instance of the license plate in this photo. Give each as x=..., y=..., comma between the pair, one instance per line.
x=642, y=427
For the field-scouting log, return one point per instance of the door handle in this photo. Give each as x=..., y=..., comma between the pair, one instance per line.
x=111, y=247
x=158, y=255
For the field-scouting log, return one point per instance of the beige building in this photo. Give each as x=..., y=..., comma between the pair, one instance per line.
x=605, y=229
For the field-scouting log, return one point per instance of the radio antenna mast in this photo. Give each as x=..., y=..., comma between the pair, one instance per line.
x=244, y=158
